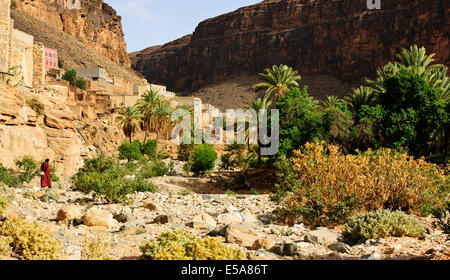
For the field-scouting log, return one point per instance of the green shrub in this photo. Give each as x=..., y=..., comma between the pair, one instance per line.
x=132, y=166
x=154, y=169
x=53, y=177
x=130, y=151
x=99, y=164
x=163, y=155
x=442, y=214
x=105, y=178
x=414, y=111
x=80, y=83
x=380, y=224
x=6, y=195
x=29, y=168
x=203, y=159
x=185, y=151
x=70, y=76
x=7, y=177
x=30, y=240
x=177, y=245
x=287, y=179
x=149, y=148
x=300, y=120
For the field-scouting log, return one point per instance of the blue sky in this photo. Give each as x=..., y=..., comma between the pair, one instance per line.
x=154, y=22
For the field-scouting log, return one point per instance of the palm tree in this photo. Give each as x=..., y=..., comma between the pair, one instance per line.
x=387, y=71
x=416, y=60
x=146, y=105
x=160, y=119
x=258, y=105
x=278, y=80
x=129, y=120
x=332, y=102
x=361, y=96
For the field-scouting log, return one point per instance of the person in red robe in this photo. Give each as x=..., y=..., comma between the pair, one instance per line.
x=45, y=174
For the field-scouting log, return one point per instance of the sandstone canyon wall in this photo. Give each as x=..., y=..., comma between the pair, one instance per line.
x=96, y=24
x=50, y=135
x=341, y=38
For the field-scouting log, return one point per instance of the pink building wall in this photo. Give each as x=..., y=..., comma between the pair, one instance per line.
x=51, y=59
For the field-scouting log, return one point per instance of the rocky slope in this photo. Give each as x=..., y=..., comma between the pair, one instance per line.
x=340, y=38
x=248, y=222
x=96, y=23
x=72, y=51
x=49, y=135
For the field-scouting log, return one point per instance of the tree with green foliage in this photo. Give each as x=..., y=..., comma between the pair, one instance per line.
x=203, y=159
x=149, y=148
x=80, y=83
x=161, y=119
x=301, y=120
x=413, y=112
x=278, y=80
x=260, y=105
x=361, y=96
x=70, y=76
x=129, y=119
x=146, y=105
x=29, y=168
x=130, y=150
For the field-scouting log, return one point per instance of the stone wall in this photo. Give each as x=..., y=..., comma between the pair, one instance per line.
x=21, y=54
x=17, y=51
x=38, y=65
x=5, y=29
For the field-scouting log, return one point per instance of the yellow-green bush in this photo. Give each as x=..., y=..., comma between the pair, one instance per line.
x=96, y=248
x=5, y=245
x=6, y=195
x=30, y=240
x=379, y=224
x=177, y=245
x=335, y=186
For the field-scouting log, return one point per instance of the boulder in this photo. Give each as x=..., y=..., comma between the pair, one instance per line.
x=98, y=217
x=340, y=247
x=321, y=236
x=229, y=218
x=262, y=255
x=262, y=243
x=68, y=213
x=240, y=234
x=202, y=221
x=287, y=249
x=148, y=204
x=249, y=217
x=163, y=219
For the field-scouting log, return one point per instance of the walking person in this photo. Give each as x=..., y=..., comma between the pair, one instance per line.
x=45, y=174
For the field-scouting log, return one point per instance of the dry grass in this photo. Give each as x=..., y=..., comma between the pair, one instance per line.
x=335, y=186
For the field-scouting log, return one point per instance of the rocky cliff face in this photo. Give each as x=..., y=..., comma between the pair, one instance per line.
x=51, y=135
x=340, y=38
x=96, y=24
